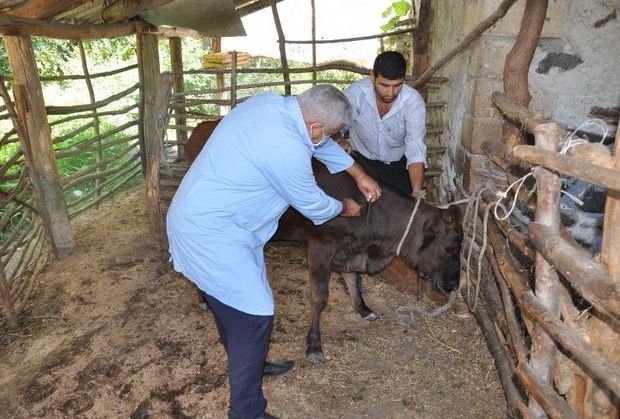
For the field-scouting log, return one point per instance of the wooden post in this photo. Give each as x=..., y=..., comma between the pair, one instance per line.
x=216, y=46
x=600, y=402
x=141, y=141
x=36, y=143
x=542, y=354
x=281, y=39
x=178, y=86
x=233, y=79
x=312, y=6
x=7, y=302
x=91, y=94
x=160, y=110
x=517, y=65
x=151, y=86
x=421, y=42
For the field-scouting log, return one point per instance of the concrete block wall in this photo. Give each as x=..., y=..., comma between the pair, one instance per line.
x=574, y=69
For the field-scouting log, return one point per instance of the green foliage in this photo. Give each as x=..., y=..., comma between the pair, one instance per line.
x=394, y=13
x=57, y=57
x=102, y=51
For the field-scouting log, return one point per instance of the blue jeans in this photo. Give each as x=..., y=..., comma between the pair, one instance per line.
x=246, y=340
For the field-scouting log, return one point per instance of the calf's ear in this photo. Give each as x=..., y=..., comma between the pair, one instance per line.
x=429, y=231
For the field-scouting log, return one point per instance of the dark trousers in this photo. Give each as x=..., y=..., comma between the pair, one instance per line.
x=246, y=339
x=394, y=174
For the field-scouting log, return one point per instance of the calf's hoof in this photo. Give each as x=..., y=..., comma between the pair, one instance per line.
x=371, y=317
x=315, y=358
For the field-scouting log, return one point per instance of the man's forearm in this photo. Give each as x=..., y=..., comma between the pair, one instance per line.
x=356, y=171
x=416, y=176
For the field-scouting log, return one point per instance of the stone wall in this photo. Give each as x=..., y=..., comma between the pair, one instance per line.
x=575, y=68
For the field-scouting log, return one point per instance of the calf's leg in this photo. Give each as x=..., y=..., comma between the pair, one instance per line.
x=354, y=285
x=319, y=261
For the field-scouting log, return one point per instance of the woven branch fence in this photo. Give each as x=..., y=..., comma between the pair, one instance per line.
x=103, y=134
x=233, y=85
x=549, y=310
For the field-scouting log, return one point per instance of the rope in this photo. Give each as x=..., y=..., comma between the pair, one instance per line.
x=407, y=309
x=402, y=239
x=471, y=212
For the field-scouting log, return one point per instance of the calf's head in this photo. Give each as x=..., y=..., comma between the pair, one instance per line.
x=436, y=251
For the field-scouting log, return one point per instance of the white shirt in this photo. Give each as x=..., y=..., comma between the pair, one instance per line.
x=256, y=163
x=399, y=133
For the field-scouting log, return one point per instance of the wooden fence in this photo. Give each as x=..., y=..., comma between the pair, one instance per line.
x=554, y=356
x=235, y=84
x=102, y=133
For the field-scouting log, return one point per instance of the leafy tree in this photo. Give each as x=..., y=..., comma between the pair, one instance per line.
x=394, y=13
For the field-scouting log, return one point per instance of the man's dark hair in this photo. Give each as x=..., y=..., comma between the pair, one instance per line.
x=390, y=64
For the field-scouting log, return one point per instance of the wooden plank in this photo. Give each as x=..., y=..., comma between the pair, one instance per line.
x=119, y=11
x=15, y=25
x=600, y=403
x=154, y=210
x=281, y=41
x=577, y=265
x=37, y=143
x=178, y=86
x=571, y=166
x=152, y=127
x=594, y=361
x=467, y=40
x=7, y=302
x=543, y=349
x=544, y=393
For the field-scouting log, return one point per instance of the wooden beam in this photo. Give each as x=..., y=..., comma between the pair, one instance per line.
x=525, y=118
x=571, y=166
x=120, y=11
x=542, y=352
x=43, y=9
x=178, y=86
x=281, y=41
x=601, y=367
x=544, y=393
x=151, y=126
x=600, y=402
x=155, y=142
x=253, y=7
x=7, y=302
x=577, y=265
x=37, y=144
x=15, y=25
x=471, y=37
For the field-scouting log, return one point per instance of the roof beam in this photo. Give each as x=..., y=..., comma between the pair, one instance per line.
x=15, y=25
x=44, y=9
x=123, y=10
x=253, y=7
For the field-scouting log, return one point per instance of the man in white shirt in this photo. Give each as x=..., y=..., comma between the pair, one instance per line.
x=255, y=165
x=387, y=135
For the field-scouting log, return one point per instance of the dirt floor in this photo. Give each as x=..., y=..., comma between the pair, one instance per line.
x=112, y=331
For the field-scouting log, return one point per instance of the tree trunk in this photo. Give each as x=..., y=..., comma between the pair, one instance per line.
x=517, y=65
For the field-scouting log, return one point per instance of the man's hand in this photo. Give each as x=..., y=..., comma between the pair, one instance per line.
x=367, y=185
x=345, y=144
x=350, y=208
x=419, y=194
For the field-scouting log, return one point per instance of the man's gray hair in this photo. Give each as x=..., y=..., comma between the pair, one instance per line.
x=326, y=104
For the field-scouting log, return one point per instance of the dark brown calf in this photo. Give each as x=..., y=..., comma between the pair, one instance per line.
x=368, y=243
x=200, y=135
